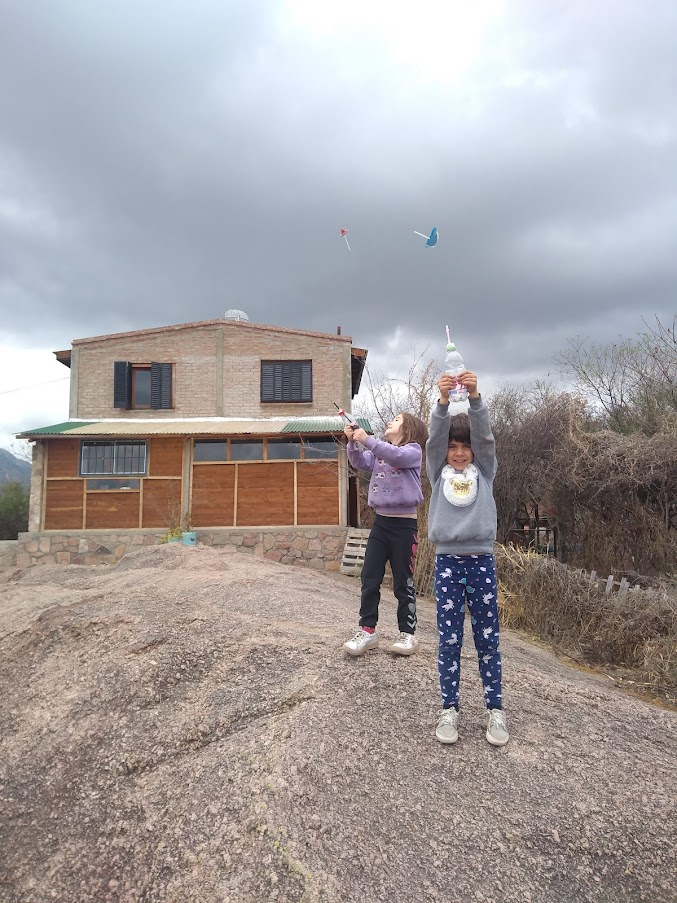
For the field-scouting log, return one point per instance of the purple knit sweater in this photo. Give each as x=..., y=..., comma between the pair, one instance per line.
x=395, y=485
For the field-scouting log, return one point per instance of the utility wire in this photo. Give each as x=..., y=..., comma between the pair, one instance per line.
x=35, y=385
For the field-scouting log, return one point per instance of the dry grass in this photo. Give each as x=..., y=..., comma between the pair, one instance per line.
x=546, y=598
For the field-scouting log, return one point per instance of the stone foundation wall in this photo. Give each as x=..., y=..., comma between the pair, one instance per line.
x=313, y=547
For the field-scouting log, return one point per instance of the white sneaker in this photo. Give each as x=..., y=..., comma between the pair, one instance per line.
x=447, y=726
x=497, y=730
x=362, y=641
x=406, y=644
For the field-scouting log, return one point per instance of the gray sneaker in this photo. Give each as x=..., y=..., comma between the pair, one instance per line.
x=497, y=730
x=447, y=726
x=362, y=641
x=405, y=644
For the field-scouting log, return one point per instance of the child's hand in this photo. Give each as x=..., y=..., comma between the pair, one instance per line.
x=357, y=435
x=445, y=384
x=469, y=380
x=349, y=430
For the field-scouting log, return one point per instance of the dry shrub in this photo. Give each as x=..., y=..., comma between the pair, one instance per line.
x=546, y=598
x=615, y=497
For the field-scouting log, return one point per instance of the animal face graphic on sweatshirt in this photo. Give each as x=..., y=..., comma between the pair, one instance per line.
x=460, y=487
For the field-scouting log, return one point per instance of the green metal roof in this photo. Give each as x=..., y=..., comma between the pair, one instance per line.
x=302, y=425
x=56, y=428
x=319, y=425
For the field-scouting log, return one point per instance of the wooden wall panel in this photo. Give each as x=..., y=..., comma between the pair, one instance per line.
x=63, y=505
x=161, y=503
x=112, y=510
x=213, y=493
x=62, y=457
x=265, y=494
x=165, y=457
x=317, y=493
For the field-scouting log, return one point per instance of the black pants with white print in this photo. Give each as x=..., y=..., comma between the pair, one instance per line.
x=392, y=539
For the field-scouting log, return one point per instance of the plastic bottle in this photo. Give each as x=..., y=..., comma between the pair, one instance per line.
x=453, y=365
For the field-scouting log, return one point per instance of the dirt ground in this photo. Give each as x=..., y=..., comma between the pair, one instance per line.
x=183, y=726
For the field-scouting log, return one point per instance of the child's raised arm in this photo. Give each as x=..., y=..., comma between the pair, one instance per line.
x=482, y=439
x=405, y=456
x=438, y=439
x=360, y=457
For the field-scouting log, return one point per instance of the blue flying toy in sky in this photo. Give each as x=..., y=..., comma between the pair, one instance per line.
x=430, y=240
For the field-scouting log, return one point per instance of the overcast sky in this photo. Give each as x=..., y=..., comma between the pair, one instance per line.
x=161, y=162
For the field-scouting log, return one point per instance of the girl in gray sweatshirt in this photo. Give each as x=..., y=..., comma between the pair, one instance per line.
x=461, y=465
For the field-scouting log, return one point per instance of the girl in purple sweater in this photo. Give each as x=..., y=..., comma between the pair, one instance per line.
x=394, y=494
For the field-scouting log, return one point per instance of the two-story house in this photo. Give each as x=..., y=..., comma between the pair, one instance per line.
x=218, y=424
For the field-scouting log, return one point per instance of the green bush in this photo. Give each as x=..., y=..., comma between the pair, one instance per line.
x=13, y=509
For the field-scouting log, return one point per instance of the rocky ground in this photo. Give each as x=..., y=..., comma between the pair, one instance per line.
x=184, y=726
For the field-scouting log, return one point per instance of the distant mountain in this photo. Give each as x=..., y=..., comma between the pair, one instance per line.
x=13, y=468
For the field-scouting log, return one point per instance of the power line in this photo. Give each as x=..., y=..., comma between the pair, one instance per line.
x=35, y=385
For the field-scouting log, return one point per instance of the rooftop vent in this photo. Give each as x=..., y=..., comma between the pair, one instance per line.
x=235, y=315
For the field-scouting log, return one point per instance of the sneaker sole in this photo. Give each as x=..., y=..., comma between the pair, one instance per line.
x=356, y=654
x=493, y=742
x=446, y=741
x=403, y=651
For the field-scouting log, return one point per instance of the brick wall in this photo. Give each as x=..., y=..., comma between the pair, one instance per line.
x=217, y=370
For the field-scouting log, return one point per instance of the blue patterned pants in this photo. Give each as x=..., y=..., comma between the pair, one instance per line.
x=471, y=580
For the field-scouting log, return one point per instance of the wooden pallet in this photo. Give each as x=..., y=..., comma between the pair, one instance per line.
x=353, y=552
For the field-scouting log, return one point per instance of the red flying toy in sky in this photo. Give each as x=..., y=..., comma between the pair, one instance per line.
x=344, y=234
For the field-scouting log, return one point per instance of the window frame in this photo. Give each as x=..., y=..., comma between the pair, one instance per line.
x=114, y=472
x=287, y=373
x=133, y=406
x=162, y=380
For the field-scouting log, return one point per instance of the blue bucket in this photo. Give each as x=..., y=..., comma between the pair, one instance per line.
x=189, y=538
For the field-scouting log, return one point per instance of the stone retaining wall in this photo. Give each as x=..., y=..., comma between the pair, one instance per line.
x=314, y=547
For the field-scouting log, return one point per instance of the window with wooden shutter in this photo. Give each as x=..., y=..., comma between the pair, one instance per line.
x=161, y=386
x=122, y=385
x=286, y=381
x=142, y=386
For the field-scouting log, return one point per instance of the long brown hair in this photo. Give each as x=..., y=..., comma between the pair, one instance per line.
x=413, y=430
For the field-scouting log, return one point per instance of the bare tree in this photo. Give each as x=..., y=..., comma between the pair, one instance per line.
x=22, y=450
x=413, y=394
x=632, y=381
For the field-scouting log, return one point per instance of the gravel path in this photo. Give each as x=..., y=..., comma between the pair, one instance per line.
x=183, y=726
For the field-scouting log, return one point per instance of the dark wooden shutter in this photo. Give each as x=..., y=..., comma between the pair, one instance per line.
x=306, y=380
x=160, y=386
x=122, y=384
x=267, y=381
x=286, y=381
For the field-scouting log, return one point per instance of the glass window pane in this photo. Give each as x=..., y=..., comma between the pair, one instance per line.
x=130, y=457
x=246, y=450
x=284, y=449
x=209, y=450
x=112, y=484
x=141, y=387
x=113, y=457
x=320, y=448
x=97, y=457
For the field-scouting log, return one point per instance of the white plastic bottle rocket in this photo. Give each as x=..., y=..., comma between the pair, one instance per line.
x=453, y=365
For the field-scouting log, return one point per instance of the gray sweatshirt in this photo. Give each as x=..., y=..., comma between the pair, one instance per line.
x=462, y=514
